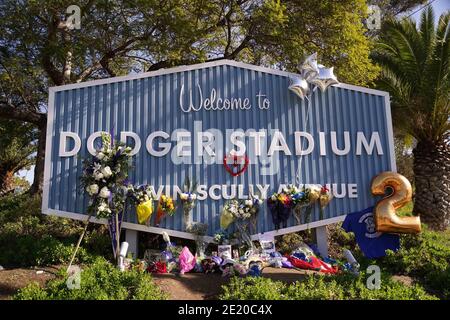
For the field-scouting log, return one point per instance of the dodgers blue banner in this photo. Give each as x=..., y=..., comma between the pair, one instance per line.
x=184, y=121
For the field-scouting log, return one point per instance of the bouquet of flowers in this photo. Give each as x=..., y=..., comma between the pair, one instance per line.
x=143, y=200
x=280, y=206
x=254, y=204
x=324, y=199
x=228, y=213
x=243, y=211
x=165, y=206
x=104, y=177
x=313, y=196
x=199, y=230
x=314, y=193
x=188, y=198
x=221, y=237
x=300, y=199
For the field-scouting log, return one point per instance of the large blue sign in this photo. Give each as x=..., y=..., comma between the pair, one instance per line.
x=183, y=122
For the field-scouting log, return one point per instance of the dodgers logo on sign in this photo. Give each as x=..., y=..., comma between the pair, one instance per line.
x=368, y=220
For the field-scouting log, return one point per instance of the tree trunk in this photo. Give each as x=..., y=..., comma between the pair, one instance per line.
x=36, y=187
x=432, y=182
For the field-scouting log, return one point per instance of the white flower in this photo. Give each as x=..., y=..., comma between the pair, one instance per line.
x=104, y=208
x=98, y=175
x=104, y=193
x=106, y=171
x=248, y=203
x=274, y=198
x=100, y=155
x=166, y=237
x=124, y=189
x=193, y=196
x=128, y=149
x=92, y=189
x=184, y=196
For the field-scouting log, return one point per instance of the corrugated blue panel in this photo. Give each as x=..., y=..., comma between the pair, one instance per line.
x=148, y=104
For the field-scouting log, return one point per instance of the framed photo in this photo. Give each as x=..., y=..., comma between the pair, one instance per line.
x=267, y=245
x=224, y=251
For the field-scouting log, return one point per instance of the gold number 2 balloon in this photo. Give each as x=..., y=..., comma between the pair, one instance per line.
x=386, y=220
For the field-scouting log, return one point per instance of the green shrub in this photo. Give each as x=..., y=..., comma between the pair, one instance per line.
x=339, y=239
x=99, y=281
x=253, y=289
x=320, y=287
x=27, y=237
x=426, y=257
x=27, y=250
x=289, y=242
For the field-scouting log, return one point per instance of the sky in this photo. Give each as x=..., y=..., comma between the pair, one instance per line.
x=439, y=6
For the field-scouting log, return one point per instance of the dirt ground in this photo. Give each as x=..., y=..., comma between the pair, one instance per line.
x=198, y=286
x=190, y=286
x=13, y=279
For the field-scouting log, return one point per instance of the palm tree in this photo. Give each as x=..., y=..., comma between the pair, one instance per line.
x=415, y=64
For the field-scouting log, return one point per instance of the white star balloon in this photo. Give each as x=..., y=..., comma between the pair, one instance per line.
x=309, y=68
x=299, y=86
x=325, y=78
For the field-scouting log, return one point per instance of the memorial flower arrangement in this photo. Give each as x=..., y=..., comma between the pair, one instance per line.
x=280, y=206
x=104, y=177
x=324, y=199
x=229, y=212
x=188, y=199
x=227, y=215
x=199, y=230
x=142, y=198
x=300, y=200
x=295, y=199
x=166, y=206
x=313, y=197
x=240, y=212
x=254, y=203
x=244, y=210
x=303, y=197
x=221, y=237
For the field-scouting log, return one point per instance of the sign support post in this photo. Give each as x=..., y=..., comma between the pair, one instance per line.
x=131, y=236
x=322, y=240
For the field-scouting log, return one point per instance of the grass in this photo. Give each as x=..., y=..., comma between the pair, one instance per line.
x=406, y=210
x=100, y=280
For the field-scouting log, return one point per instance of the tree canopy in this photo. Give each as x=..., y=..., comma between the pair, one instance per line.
x=17, y=146
x=415, y=63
